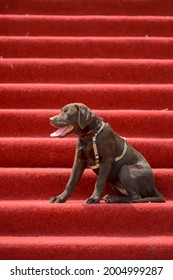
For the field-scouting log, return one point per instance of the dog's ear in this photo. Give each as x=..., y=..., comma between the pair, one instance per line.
x=85, y=116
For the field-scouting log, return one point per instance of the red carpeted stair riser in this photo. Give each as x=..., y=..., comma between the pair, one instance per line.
x=89, y=26
x=116, y=57
x=132, y=123
x=64, y=47
x=57, y=153
x=88, y=248
x=111, y=71
x=110, y=97
x=42, y=183
x=87, y=7
x=79, y=219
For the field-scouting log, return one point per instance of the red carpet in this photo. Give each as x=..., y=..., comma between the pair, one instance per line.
x=116, y=57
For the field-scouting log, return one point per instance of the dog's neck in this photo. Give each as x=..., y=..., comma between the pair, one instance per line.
x=91, y=129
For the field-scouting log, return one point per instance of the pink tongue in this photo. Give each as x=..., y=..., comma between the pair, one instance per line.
x=58, y=132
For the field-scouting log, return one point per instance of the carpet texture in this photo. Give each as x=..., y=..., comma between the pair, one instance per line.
x=116, y=57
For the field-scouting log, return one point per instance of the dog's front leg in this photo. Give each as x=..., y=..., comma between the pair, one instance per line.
x=104, y=171
x=77, y=171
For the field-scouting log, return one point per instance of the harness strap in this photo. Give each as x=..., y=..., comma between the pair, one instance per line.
x=97, y=162
x=124, y=150
x=96, y=154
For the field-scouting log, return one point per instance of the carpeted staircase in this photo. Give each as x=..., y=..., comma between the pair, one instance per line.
x=116, y=56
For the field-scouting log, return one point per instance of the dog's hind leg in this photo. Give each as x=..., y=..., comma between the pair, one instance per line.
x=148, y=199
x=118, y=187
x=126, y=185
x=139, y=183
x=117, y=199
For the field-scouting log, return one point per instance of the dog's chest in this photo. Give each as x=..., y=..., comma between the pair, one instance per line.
x=88, y=152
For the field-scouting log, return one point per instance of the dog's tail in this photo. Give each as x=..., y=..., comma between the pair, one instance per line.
x=149, y=199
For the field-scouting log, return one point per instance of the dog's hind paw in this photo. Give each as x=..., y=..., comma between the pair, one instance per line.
x=116, y=199
x=108, y=198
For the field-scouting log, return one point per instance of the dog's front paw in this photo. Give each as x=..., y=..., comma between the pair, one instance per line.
x=52, y=199
x=92, y=201
x=58, y=199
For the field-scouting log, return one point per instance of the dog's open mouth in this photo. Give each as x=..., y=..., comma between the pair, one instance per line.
x=62, y=131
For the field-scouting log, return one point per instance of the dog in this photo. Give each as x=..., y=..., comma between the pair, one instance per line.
x=108, y=155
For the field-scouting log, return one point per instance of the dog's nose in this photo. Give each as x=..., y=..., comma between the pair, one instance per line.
x=51, y=120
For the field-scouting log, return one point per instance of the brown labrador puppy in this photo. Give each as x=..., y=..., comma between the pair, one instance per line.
x=108, y=154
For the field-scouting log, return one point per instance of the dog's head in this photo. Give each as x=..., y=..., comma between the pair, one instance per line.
x=73, y=118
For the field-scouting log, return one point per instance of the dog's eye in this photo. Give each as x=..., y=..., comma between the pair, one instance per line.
x=64, y=110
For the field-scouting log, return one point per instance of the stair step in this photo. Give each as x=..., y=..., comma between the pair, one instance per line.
x=43, y=183
x=88, y=248
x=131, y=123
x=76, y=218
x=84, y=47
x=109, y=26
x=105, y=97
x=105, y=71
x=32, y=152
x=68, y=7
